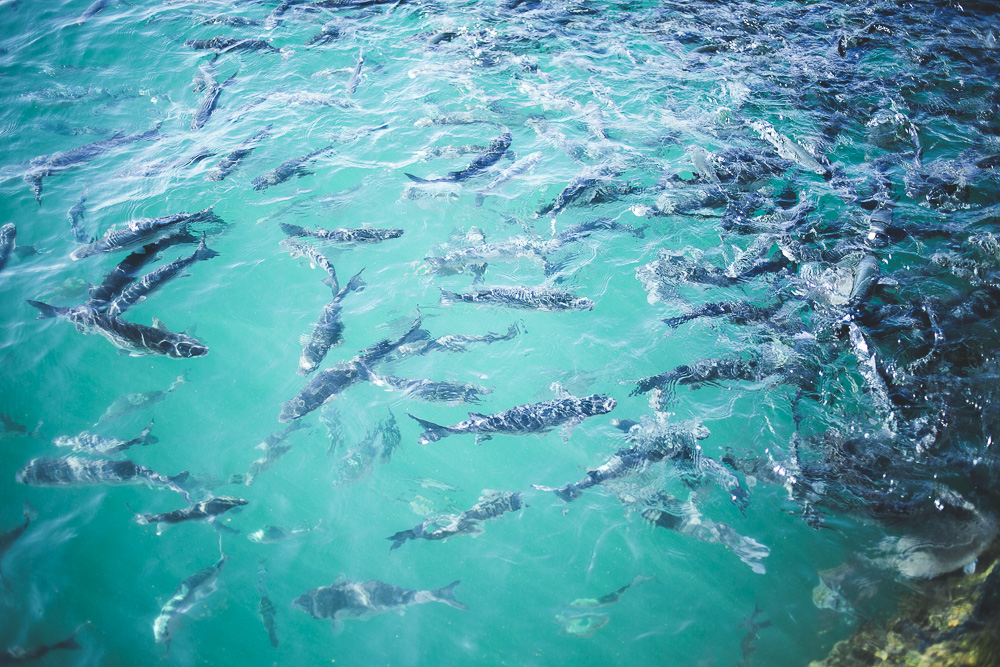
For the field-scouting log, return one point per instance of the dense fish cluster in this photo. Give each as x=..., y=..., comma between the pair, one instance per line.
x=794, y=207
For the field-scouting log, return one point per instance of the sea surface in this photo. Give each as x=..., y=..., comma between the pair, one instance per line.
x=825, y=170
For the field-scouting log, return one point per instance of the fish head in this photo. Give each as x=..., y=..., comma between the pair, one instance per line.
x=162, y=630
x=182, y=348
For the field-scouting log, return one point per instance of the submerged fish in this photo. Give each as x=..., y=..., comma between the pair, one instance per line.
x=144, y=231
x=287, y=169
x=265, y=610
x=224, y=44
x=522, y=165
x=234, y=157
x=612, y=597
x=351, y=599
x=89, y=442
x=355, y=79
x=496, y=150
x=212, y=91
x=359, y=235
x=450, y=393
x=129, y=403
x=128, y=269
x=491, y=505
x=199, y=585
x=271, y=534
x=531, y=418
x=76, y=471
x=8, y=538
x=273, y=449
x=18, y=654
x=522, y=296
x=138, y=291
x=75, y=215
x=206, y=509
x=7, y=235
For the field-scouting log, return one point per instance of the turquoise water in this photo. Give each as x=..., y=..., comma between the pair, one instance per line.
x=643, y=90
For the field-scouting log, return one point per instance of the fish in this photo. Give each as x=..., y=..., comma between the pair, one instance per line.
x=519, y=167
x=361, y=599
x=9, y=425
x=271, y=534
x=127, y=270
x=194, y=588
x=75, y=215
x=95, y=7
x=212, y=91
x=612, y=597
x=76, y=471
x=48, y=165
x=496, y=150
x=790, y=149
x=235, y=156
x=265, y=609
x=205, y=509
x=521, y=296
x=376, y=447
x=226, y=44
x=90, y=442
x=589, y=179
x=144, y=231
x=18, y=654
x=7, y=235
x=327, y=33
x=135, y=339
x=749, y=641
x=341, y=235
x=8, y=538
x=328, y=383
x=491, y=505
x=273, y=449
x=129, y=403
x=287, y=169
x=478, y=256
x=453, y=342
x=532, y=418
x=140, y=290
x=450, y=393
x=355, y=79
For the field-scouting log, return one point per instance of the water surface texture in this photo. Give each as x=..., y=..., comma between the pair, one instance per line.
x=763, y=237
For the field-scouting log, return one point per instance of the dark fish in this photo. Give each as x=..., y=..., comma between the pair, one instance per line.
x=612, y=597
x=588, y=180
x=204, y=111
x=193, y=589
x=76, y=471
x=230, y=161
x=749, y=641
x=129, y=403
x=9, y=425
x=141, y=289
x=17, y=654
x=226, y=19
x=287, y=169
x=329, y=32
x=265, y=610
x=376, y=447
x=352, y=599
x=8, y=539
x=273, y=448
x=76, y=214
x=496, y=150
x=328, y=331
x=521, y=296
x=135, y=339
x=491, y=505
x=144, y=231
x=274, y=19
x=450, y=393
x=271, y=534
x=206, y=509
x=93, y=9
x=225, y=44
x=7, y=235
x=531, y=418
x=98, y=444
x=355, y=79
x=360, y=235
x=127, y=270
x=332, y=381
x=47, y=165
x=454, y=342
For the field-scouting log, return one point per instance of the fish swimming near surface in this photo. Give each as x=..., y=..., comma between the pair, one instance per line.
x=98, y=444
x=355, y=79
x=491, y=505
x=328, y=383
x=519, y=167
x=95, y=7
x=144, y=231
x=198, y=586
x=128, y=269
x=612, y=597
x=359, y=235
x=590, y=179
x=129, y=403
x=140, y=290
x=226, y=44
x=237, y=155
x=212, y=91
x=287, y=169
x=76, y=214
x=273, y=448
x=206, y=510
x=454, y=342
x=521, y=296
x=271, y=534
x=361, y=599
x=523, y=419
x=496, y=150
x=76, y=471
x=450, y=393
x=18, y=654
x=7, y=235
x=135, y=339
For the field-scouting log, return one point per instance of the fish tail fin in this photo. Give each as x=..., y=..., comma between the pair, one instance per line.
x=415, y=179
x=45, y=310
x=139, y=518
x=432, y=432
x=292, y=230
x=356, y=284
x=204, y=252
x=447, y=595
x=400, y=538
x=448, y=296
x=145, y=438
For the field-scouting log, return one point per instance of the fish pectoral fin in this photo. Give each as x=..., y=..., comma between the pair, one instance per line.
x=481, y=438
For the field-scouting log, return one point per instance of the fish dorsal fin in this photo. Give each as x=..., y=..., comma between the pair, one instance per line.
x=476, y=415
x=560, y=391
x=158, y=324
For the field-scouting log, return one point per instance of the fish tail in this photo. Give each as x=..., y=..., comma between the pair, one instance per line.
x=448, y=296
x=415, y=179
x=400, y=538
x=356, y=284
x=145, y=438
x=432, y=432
x=203, y=252
x=45, y=310
x=447, y=595
x=139, y=518
x=292, y=230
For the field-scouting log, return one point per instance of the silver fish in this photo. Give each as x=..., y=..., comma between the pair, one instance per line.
x=206, y=509
x=491, y=505
x=76, y=471
x=90, y=442
x=521, y=296
x=199, y=585
x=143, y=231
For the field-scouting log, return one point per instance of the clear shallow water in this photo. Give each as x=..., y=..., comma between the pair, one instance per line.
x=662, y=82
